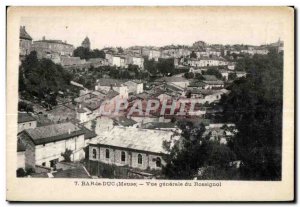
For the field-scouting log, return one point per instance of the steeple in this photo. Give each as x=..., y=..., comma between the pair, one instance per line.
x=86, y=43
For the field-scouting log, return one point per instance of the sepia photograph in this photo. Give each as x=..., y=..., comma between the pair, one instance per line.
x=145, y=97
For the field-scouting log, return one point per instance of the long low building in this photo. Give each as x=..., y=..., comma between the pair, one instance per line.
x=44, y=145
x=133, y=147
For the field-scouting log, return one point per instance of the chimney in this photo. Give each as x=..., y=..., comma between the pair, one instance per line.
x=44, y=38
x=69, y=131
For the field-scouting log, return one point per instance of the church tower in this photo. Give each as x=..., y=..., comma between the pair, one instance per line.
x=86, y=43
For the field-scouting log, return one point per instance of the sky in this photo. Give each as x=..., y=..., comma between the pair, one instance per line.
x=129, y=27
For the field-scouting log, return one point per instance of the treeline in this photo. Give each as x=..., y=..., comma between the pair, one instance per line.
x=199, y=156
x=42, y=79
x=162, y=66
x=85, y=53
x=254, y=105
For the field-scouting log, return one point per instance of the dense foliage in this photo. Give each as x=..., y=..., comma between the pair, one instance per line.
x=195, y=152
x=255, y=106
x=213, y=71
x=42, y=78
x=85, y=53
x=163, y=66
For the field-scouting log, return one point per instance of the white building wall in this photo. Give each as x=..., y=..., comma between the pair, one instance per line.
x=21, y=160
x=26, y=125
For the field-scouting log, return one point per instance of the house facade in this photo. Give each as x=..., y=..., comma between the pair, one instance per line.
x=49, y=48
x=25, y=42
x=135, y=60
x=134, y=86
x=45, y=145
x=26, y=121
x=206, y=62
x=136, y=148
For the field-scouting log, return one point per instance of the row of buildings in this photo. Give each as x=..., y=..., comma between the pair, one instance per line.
x=198, y=55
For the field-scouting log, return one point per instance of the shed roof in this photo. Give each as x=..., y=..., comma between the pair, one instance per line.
x=55, y=132
x=138, y=139
x=25, y=117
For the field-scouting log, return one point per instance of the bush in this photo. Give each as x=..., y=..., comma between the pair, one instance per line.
x=21, y=172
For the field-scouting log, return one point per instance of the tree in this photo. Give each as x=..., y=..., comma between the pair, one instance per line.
x=23, y=106
x=166, y=66
x=82, y=52
x=120, y=49
x=255, y=106
x=194, y=152
x=193, y=54
x=85, y=53
x=43, y=77
x=21, y=172
x=213, y=71
x=232, y=76
x=150, y=66
x=189, y=75
x=67, y=155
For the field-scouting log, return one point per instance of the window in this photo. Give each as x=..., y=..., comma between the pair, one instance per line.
x=123, y=156
x=140, y=159
x=29, y=124
x=107, y=153
x=158, y=162
x=43, y=164
x=94, y=152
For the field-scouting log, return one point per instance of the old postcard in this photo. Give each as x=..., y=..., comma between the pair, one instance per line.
x=150, y=104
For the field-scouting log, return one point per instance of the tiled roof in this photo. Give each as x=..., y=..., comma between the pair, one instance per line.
x=197, y=84
x=109, y=82
x=210, y=77
x=124, y=121
x=159, y=125
x=54, y=41
x=25, y=117
x=217, y=82
x=132, y=82
x=138, y=139
x=81, y=110
x=20, y=146
x=172, y=79
x=88, y=134
x=55, y=132
x=111, y=94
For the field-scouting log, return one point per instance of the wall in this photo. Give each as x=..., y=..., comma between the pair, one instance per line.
x=25, y=47
x=26, y=125
x=29, y=152
x=50, y=151
x=131, y=157
x=21, y=160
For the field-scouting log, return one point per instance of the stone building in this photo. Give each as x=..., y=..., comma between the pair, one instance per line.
x=52, y=48
x=134, y=86
x=25, y=42
x=206, y=62
x=135, y=60
x=133, y=147
x=26, y=121
x=45, y=145
x=86, y=43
